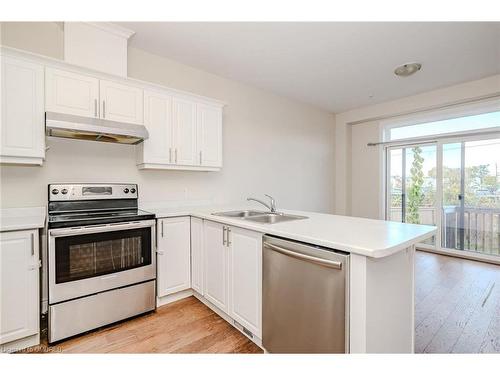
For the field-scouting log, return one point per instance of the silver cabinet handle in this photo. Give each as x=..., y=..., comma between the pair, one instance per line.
x=308, y=258
x=228, y=241
x=224, y=236
x=95, y=107
x=162, y=229
x=156, y=236
x=176, y=156
x=170, y=155
x=201, y=158
x=103, y=109
x=32, y=245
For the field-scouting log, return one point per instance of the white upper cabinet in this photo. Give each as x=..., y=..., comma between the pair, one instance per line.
x=19, y=297
x=174, y=255
x=158, y=120
x=22, y=113
x=184, y=127
x=72, y=93
x=185, y=130
x=85, y=95
x=209, y=129
x=120, y=102
x=191, y=137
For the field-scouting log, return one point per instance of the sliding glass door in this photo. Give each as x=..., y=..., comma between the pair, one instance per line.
x=453, y=184
x=412, y=184
x=471, y=196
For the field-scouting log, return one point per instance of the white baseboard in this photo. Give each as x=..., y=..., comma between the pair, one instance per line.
x=464, y=254
x=165, y=300
x=227, y=318
x=20, y=344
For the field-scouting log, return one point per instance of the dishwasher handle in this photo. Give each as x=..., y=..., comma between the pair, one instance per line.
x=308, y=258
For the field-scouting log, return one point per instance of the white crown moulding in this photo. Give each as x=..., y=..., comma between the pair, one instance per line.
x=113, y=28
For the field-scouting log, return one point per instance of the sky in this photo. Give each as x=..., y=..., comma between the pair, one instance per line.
x=476, y=152
x=482, y=121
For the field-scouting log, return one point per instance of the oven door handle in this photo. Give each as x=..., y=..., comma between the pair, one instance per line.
x=100, y=228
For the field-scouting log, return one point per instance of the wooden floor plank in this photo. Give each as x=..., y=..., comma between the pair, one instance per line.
x=429, y=318
x=185, y=326
x=474, y=333
x=461, y=313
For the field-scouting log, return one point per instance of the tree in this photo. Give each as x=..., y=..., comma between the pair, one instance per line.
x=415, y=193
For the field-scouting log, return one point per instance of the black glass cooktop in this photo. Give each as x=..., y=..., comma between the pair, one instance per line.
x=77, y=219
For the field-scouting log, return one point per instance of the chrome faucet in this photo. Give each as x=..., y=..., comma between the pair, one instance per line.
x=271, y=205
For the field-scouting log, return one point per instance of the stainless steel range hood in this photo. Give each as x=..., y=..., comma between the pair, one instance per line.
x=93, y=129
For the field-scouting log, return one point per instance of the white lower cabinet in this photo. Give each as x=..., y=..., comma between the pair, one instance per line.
x=19, y=283
x=245, y=280
x=174, y=255
x=233, y=273
x=197, y=254
x=221, y=263
x=215, y=254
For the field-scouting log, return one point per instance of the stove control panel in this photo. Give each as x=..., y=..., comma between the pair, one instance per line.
x=69, y=192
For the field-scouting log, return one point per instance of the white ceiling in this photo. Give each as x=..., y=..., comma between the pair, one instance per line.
x=336, y=66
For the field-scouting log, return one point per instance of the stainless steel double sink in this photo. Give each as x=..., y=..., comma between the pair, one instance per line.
x=260, y=216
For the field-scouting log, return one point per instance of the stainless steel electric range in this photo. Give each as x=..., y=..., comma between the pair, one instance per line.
x=101, y=257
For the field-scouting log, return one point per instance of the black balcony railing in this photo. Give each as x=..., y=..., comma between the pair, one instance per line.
x=474, y=229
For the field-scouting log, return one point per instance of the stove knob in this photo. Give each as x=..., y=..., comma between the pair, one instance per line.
x=55, y=191
x=132, y=190
x=125, y=190
x=64, y=191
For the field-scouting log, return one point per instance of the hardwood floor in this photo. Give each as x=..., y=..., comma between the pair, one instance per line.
x=457, y=305
x=185, y=326
x=457, y=311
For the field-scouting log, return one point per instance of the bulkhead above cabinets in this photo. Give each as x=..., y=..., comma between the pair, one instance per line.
x=185, y=130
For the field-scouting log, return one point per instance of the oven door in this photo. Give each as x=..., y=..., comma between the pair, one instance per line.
x=93, y=259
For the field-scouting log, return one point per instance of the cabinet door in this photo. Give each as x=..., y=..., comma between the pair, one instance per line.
x=184, y=127
x=216, y=265
x=197, y=254
x=209, y=133
x=121, y=102
x=158, y=120
x=174, y=255
x=245, y=282
x=22, y=112
x=71, y=93
x=19, y=297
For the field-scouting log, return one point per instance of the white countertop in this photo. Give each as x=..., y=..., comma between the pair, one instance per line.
x=368, y=237
x=22, y=218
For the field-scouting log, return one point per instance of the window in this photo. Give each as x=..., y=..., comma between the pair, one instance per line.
x=454, y=125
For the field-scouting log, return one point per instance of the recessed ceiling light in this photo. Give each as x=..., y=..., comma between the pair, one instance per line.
x=407, y=69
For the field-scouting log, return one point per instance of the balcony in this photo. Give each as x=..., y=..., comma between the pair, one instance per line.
x=479, y=232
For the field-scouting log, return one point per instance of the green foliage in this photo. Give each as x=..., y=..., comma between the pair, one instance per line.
x=415, y=193
x=476, y=178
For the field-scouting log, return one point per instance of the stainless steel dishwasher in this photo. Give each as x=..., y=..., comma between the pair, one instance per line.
x=304, y=298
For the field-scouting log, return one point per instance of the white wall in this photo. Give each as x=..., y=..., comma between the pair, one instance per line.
x=271, y=144
x=366, y=185
x=358, y=168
